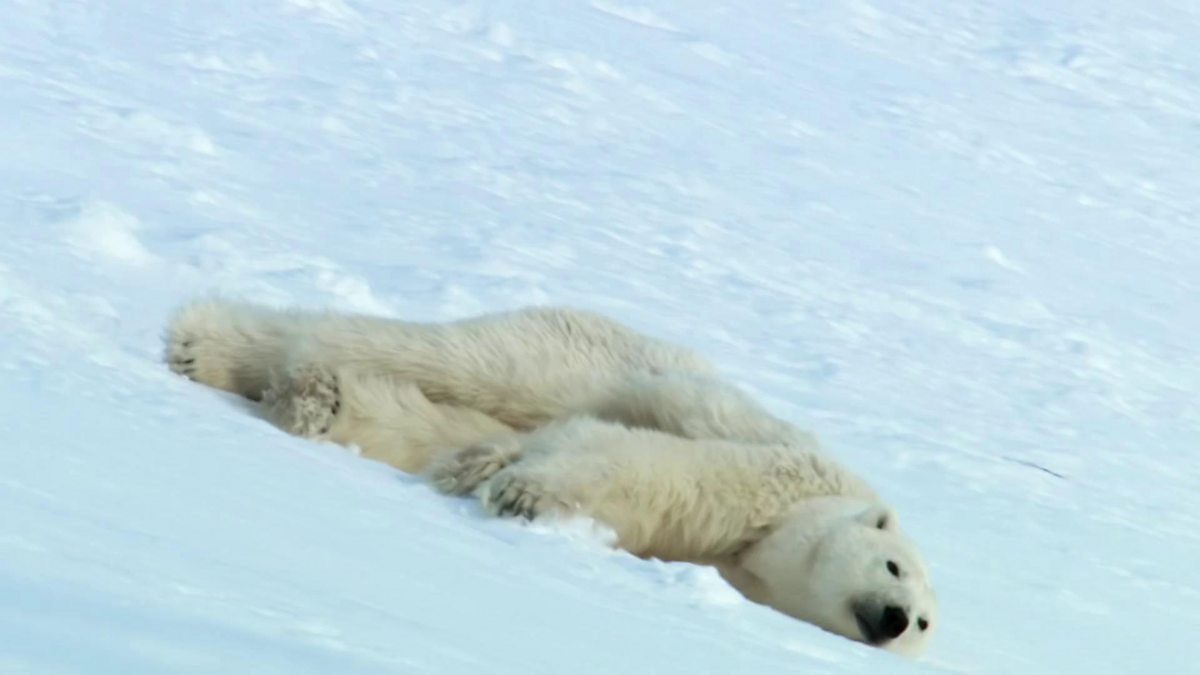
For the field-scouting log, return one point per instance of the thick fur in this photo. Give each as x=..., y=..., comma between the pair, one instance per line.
x=545, y=412
x=522, y=368
x=665, y=496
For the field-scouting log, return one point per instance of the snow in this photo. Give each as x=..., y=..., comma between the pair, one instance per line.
x=958, y=240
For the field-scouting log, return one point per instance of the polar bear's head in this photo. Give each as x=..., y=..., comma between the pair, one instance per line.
x=843, y=565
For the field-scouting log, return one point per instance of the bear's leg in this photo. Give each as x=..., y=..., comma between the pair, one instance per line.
x=523, y=368
x=230, y=346
x=387, y=418
x=664, y=496
x=694, y=406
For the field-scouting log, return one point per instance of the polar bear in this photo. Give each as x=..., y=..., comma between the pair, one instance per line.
x=548, y=412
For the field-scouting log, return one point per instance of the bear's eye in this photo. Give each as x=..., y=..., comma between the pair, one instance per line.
x=882, y=523
x=893, y=568
x=922, y=624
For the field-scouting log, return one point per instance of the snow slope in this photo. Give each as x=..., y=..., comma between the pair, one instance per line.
x=959, y=240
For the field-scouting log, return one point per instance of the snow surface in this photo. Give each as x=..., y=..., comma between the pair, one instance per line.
x=958, y=240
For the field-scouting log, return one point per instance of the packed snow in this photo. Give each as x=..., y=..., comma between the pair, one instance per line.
x=960, y=241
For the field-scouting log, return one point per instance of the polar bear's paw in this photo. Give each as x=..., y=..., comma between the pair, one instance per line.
x=465, y=470
x=306, y=401
x=517, y=494
x=205, y=343
x=200, y=358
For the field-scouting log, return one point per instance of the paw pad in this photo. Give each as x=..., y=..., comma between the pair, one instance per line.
x=306, y=402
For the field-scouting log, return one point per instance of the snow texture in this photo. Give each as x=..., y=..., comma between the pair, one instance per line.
x=960, y=241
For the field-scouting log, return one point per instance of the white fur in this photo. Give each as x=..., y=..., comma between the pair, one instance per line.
x=827, y=559
x=543, y=411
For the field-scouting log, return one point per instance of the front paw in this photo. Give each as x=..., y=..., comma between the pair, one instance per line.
x=514, y=494
x=466, y=469
x=304, y=402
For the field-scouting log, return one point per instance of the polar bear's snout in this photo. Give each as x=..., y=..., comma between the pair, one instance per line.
x=880, y=624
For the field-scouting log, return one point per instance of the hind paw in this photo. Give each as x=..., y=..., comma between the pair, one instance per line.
x=211, y=343
x=199, y=359
x=305, y=402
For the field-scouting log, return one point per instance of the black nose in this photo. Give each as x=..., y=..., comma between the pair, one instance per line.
x=893, y=622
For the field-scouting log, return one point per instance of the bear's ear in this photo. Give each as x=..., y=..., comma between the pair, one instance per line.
x=879, y=517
